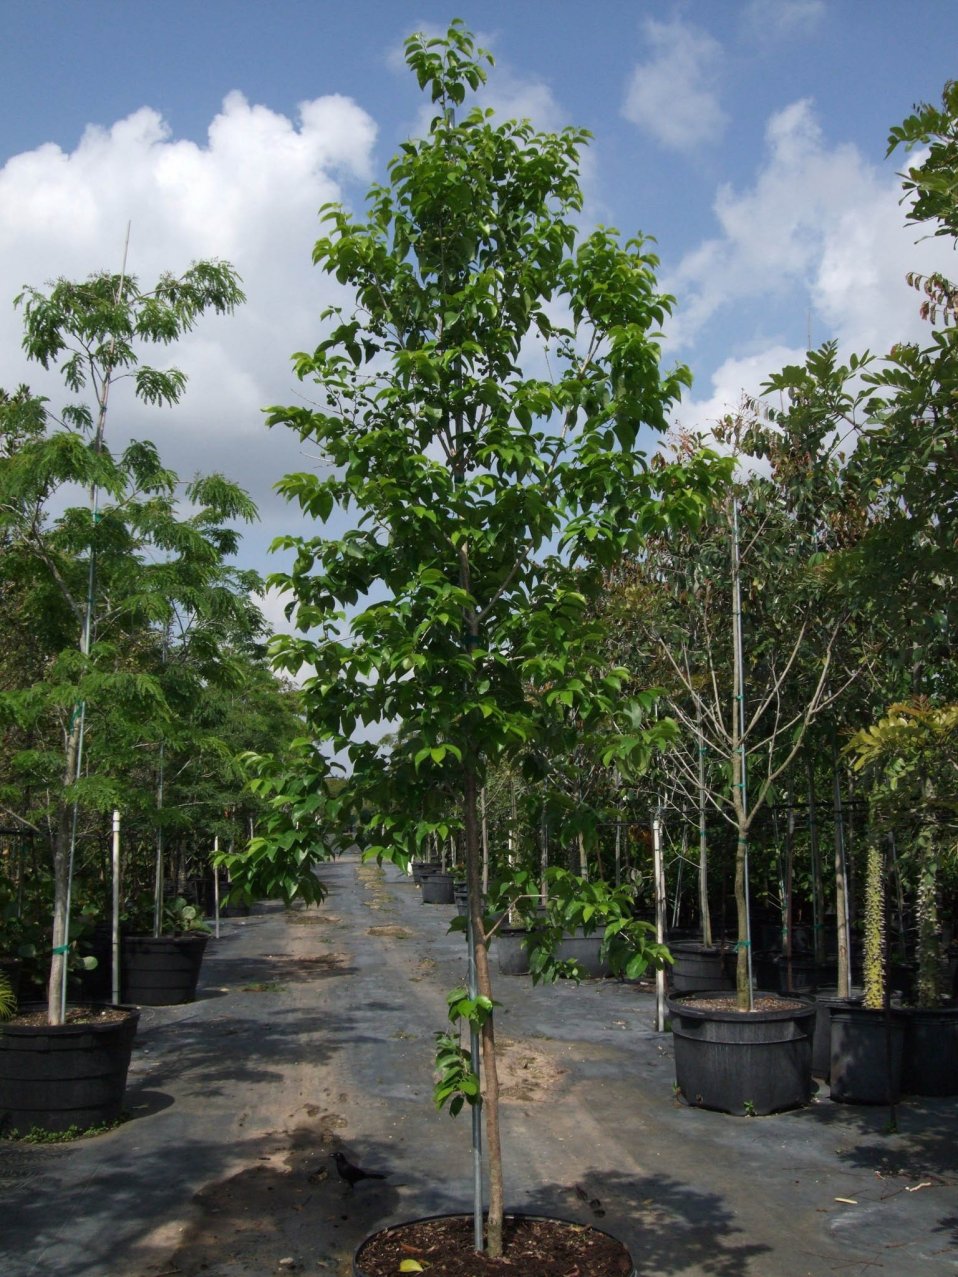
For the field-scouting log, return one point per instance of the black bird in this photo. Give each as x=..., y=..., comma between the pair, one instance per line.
x=353, y=1174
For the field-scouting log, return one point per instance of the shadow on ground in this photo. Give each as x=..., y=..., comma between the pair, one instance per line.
x=287, y=1203
x=293, y=1205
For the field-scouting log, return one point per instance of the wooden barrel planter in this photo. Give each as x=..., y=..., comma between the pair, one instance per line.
x=743, y=1062
x=161, y=971
x=866, y=1055
x=698, y=968
x=437, y=889
x=930, y=1051
x=58, y=1077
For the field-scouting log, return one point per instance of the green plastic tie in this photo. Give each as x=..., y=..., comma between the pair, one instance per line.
x=61, y=948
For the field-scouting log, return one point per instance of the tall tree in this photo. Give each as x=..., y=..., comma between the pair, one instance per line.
x=488, y=497
x=93, y=331
x=742, y=624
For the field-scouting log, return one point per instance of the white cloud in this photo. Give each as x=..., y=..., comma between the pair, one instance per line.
x=673, y=96
x=819, y=227
x=733, y=379
x=771, y=20
x=514, y=97
x=249, y=195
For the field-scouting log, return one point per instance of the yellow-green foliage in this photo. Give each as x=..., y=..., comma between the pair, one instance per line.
x=8, y=1003
x=874, y=968
x=910, y=756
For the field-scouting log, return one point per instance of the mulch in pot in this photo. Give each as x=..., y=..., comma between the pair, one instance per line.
x=761, y=1002
x=532, y=1246
x=37, y=1017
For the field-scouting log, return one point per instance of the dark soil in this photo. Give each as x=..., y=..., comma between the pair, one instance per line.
x=532, y=1247
x=36, y=1017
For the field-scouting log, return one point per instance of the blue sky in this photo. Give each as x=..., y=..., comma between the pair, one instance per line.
x=748, y=138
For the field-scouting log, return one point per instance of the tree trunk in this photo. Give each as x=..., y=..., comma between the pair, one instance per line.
x=583, y=858
x=61, y=876
x=841, y=911
x=705, y=912
x=818, y=886
x=743, y=968
x=490, y=1075
x=485, y=843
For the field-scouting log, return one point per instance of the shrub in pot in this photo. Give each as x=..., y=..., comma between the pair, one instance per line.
x=61, y=1077
x=163, y=970
x=747, y=1063
x=909, y=756
x=589, y=928
x=866, y=1038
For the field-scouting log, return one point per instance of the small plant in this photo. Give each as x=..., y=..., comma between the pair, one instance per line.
x=749, y=1107
x=180, y=916
x=8, y=1001
x=36, y=1134
x=628, y=943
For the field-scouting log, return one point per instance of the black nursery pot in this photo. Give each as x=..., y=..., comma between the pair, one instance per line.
x=437, y=889
x=54, y=1077
x=826, y=1000
x=162, y=971
x=866, y=1055
x=803, y=975
x=617, y=1253
x=701, y=967
x=743, y=1062
x=586, y=950
x=460, y=895
x=930, y=1052
x=511, y=951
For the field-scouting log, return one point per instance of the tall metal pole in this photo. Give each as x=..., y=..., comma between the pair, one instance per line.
x=704, y=911
x=115, y=921
x=658, y=865
x=475, y=1064
x=216, y=888
x=841, y=884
